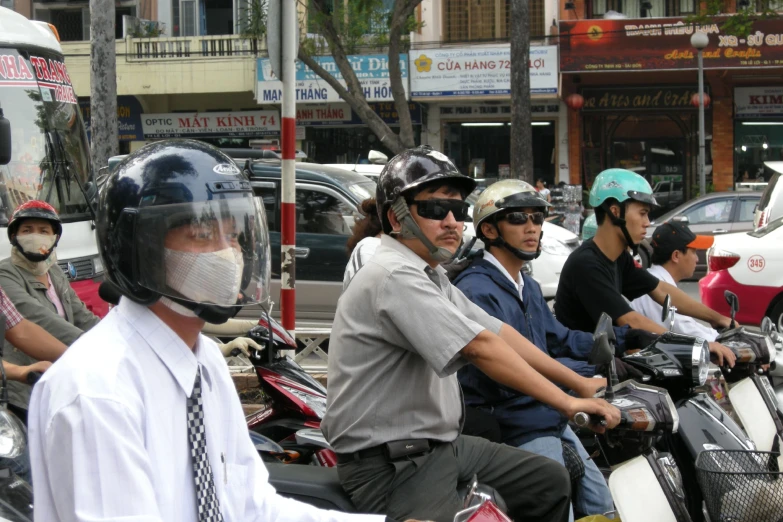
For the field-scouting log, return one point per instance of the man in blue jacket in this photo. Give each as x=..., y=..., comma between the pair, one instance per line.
x=509, y=216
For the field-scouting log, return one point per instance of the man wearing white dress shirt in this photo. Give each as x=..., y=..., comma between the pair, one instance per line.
x=140, y=420
x=674, y=258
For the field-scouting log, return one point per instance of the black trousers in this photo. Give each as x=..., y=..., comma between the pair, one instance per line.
x=424, y=486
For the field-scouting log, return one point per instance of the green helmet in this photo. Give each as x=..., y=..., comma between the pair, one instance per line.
x=504, y=196
x=589, y=227
x=620, y=184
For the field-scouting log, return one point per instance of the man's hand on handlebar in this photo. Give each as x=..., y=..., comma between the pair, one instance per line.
x=723, y=322
x=723, y=353
x=590, y=386
x=594, y=407
x=240, y=343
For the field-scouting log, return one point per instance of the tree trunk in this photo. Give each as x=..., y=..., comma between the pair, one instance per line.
x=354, y=95
x=521, y=129
x=103, y=84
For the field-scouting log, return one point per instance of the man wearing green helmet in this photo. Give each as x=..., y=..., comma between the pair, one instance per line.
x=622, y=200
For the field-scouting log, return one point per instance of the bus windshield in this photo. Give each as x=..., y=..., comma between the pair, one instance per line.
x=50, y=155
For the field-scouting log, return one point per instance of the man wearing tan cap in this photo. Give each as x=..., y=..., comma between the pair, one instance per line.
x=674, y=258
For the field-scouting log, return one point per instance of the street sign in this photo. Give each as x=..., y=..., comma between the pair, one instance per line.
x=274, y=35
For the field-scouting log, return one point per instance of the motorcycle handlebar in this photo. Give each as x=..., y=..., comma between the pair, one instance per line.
x=33, y=377
x=585, y=420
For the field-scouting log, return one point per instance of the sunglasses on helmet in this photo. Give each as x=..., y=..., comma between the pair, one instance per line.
x=438, y=209
x=520, y=218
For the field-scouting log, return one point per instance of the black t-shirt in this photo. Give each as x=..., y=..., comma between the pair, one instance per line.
x=591, y=284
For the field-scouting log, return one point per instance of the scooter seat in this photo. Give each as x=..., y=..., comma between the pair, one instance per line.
x=317, y=486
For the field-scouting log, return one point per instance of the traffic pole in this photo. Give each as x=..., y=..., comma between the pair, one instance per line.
x=290, y=37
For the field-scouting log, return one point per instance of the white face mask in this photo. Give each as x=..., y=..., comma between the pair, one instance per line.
x=36, y=243
x=40, y=244
x=205, y=277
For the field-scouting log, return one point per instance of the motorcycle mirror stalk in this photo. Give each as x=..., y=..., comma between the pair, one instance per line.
x=733, y=302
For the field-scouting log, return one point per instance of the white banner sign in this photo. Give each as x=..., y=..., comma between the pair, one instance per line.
x=478, y=71
x=372, y=70
x=211, y=124
x=758, y=102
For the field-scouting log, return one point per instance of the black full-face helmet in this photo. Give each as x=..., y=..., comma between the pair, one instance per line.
x=403, y=176
x=183, y=192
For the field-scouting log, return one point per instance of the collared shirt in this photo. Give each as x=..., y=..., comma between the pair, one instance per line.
x=395, y=347
x=362, y=253
x=51, y=293
x=108, y=432
x=683, y=324
x=7, y=308
x=519, y=283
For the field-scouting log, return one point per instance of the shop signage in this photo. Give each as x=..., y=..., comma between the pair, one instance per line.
x=341, y=114
x=638, y=98
x=129, y=114
x=647, y=44
x=478, y=71
x=211, y=124
x=372, y=70
x=758, y=102
x=471, y=112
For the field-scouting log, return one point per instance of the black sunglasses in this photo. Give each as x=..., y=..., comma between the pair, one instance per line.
x=520, y=218
x=438, y=209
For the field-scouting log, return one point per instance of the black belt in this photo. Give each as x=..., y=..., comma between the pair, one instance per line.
x=391, y=450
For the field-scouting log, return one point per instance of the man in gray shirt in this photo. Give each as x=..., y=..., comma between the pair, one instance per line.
x=401, y=331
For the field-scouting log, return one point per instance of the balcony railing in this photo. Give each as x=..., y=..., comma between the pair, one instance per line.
x=191, y=47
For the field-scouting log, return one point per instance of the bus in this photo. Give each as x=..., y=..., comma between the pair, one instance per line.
x=50, y=155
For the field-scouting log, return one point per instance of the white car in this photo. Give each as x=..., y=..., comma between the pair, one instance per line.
x=750, y=264
x=377, y=162
x=556, y=245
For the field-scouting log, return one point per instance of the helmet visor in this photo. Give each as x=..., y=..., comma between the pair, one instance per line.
x=643, y=197
x=212, y=252
x=522, y=200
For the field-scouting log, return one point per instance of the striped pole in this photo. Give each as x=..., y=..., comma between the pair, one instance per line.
x=290, y=36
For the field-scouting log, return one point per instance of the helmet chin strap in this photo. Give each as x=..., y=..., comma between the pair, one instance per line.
x=519, y=253
x=410, y=230
x=211, y=313
x=620, y=222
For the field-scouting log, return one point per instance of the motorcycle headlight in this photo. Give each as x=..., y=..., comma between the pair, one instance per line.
x=554, y=247
x=700, y=361
x=672, y=475
x=13, y=439
x=317, y=403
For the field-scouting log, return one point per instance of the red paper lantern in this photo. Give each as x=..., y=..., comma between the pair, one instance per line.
x=575, y=101
x=695, y=100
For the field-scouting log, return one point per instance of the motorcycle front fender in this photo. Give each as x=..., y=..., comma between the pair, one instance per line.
x=638, y=494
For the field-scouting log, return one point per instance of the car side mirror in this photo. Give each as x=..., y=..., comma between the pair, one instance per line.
x=5, y=140
x=681, y=219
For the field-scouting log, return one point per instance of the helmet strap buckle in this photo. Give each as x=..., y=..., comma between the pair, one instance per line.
x=411, y=230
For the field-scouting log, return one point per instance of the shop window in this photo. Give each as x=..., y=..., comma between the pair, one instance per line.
x=715, y=211
x=468, y=20
x=321, y=213
x=633, y=8
x=8, y=4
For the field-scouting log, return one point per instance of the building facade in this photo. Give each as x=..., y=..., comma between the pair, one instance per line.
x=637, y=74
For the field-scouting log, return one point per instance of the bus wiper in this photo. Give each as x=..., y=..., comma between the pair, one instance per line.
x=66, y=163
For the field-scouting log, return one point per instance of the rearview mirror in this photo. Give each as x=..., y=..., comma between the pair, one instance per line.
x=668, y=312
x=602, y=354
x=377, y=157
x=766, y=325
x=5, y=140
x=733, y=301
x=667, y=302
